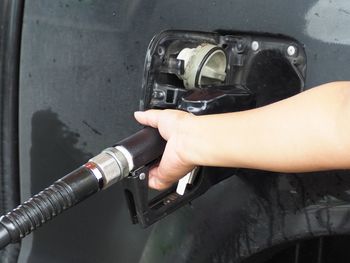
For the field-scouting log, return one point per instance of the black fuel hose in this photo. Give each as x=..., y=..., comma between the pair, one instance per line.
x=63, y=194
x=110, y=166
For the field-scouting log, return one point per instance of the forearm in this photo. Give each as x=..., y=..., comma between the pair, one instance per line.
x=308, y=132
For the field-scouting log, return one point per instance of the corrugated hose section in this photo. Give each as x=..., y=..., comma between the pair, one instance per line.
x=38, y=210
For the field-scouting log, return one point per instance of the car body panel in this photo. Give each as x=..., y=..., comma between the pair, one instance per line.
x=80, y=81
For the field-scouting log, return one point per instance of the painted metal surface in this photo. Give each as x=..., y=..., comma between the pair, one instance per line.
x=81, y=72
x=10, y=31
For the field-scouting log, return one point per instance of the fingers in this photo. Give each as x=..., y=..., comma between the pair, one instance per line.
x=154, y=181
x=171, y=167
x=169, y=171
x=160, y=181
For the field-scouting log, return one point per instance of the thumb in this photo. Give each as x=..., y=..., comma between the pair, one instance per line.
x=148, y=118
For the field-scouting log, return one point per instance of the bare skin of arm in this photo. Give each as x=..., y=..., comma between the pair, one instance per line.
x=307, y=132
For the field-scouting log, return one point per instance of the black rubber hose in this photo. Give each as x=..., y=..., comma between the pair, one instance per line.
x=44, y=206
x=5, y=237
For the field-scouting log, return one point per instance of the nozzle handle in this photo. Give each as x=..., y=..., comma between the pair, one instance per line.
x=144, y=146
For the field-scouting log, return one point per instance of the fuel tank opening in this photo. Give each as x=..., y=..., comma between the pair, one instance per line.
x=203, y=65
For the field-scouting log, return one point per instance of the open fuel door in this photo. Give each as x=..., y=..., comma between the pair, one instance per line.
x=208, y=73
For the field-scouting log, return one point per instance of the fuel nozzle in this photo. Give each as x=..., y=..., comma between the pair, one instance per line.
x=110, y=166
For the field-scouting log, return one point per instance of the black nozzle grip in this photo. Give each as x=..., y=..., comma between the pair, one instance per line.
x=145, y=146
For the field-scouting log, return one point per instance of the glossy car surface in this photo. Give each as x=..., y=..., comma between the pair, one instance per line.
x=80, y=74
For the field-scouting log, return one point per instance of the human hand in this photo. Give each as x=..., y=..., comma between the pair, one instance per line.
x=173, y=126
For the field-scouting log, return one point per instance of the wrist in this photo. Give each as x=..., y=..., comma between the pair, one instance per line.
x=207, y=140
x=186, y=134
x=192, y=140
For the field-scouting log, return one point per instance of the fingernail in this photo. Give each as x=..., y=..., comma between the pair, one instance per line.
x=138, y=114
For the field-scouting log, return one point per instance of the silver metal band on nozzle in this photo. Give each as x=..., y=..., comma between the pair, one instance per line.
x=113, y=164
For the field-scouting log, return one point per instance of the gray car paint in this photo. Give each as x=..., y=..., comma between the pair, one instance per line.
x=81, y=71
